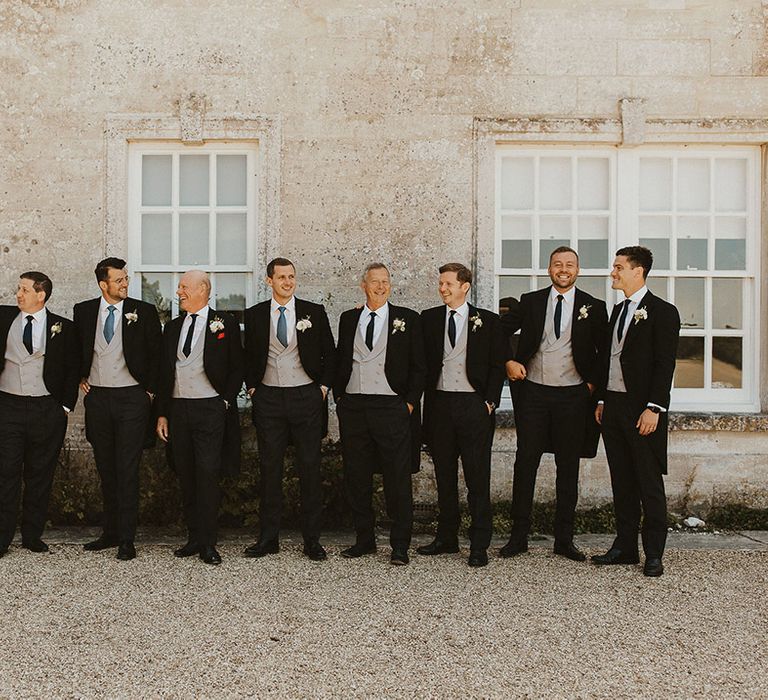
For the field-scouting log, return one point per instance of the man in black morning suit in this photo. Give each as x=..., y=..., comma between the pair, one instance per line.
x=562, y=331
x=120, y=342
x=201, y=373
x=379, y=380
x=638, y=363
x=38, y=388
x=290, y=357
x=465, y=350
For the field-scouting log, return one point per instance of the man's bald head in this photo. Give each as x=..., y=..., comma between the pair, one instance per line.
x=194, y=290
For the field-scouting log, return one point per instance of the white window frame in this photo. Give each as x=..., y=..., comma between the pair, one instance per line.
x=135, y=210
x=624, y=230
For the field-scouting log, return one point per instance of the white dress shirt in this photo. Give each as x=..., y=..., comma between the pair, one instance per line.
x=39, y=321
x=104, y=311
x=381, y=321
x=634, y=302
x=200, y=325
x=569, y=299
x=290, y=317
x=459, y=318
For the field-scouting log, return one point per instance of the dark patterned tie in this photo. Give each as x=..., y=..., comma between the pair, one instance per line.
x=369, y=330
x=558, y=315
x=282, y=327
x=27, y=336
x=623, y=318
x=187, y=349
x=109, y=325
x=452, y=328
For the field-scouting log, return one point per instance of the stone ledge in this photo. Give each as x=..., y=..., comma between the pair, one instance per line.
x=707, y=422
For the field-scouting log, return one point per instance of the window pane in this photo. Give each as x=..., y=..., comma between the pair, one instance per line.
x=555, y=227
x=689, y=299
x=660, y=250
x=193, y=239
x=692, y=184
x=516, y=253
x=230, y=293
x=193, y=180
x=592, y=285
x=231, y=180
x=726, y=363
x=156, y=239
x=513, y=286
x=730, y=243
x=157, y=289
x=659, y=286
x=655, y=184
x=726, y=303
x=555, y=183
x=730, y=184
x=156, y=180
x=593, y=176
x=517, y=183
x=593, y=241
x=692, y=254
x=655, y=233
x=689, y=372
x=230, y=239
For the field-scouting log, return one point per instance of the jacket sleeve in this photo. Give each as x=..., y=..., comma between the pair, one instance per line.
x=72, y=353
x=511, y=322
x=235, y=366
x=666, y=335
x=153, y=338
x=249, y=355
x=498, y=355
x=599, y=331
x=82, y=359
x=165, y=377
x=328, y=349
x=417, y=364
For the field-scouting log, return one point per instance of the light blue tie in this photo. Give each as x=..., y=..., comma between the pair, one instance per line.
x=109, y=325
x=282, y=327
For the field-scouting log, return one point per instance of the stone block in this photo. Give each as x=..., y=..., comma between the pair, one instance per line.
x=581, y=57
x=663, y=57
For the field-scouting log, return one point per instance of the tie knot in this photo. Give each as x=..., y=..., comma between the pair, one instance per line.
x=560, y=297
x=193, y=316
x=627, y=302
x=373, y=314
x=111, y=309
x=281, y=309
x=30, y=318
x=453, y=312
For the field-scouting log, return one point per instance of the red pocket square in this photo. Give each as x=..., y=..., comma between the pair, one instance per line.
x=220, y=336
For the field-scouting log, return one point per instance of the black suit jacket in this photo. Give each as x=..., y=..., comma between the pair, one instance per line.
x=647, y=363
x=486, y=353
x=142, y=339
x=404, y=366
x=587, y=340
x=223, y=364
x=61, y=365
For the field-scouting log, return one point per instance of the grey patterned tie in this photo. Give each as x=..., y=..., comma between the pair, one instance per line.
x=109, y=325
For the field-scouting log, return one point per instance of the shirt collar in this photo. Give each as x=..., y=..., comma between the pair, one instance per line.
x=637, y=297
x=567, y=296
x=202, y=314
x=39, y=316
x=461, y=311
x=290, y=304
x=105, y=305
x=380, y=312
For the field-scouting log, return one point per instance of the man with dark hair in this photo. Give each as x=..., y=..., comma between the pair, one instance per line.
x=638, y=363
x=379, y=380
x=120, y=353
x=555, y=371
x=290, y=355
x=201, y=373
x=38, y=388
x=465, y=352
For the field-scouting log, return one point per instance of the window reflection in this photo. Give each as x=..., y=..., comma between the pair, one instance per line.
x=726, y=363
x=689, y=372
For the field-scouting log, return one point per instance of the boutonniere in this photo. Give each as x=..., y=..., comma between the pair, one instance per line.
x=217, y=326
x=56, y=328
x=477, y=322
x=302, y=325
x=131, y=317
x=584, y=311
x=398, y=325
x=640, y=315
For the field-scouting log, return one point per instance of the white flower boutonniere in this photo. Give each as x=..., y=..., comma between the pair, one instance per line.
x=584, y=311
x=398, y=325
x=640, y=315
x=56, y=328
x=303, y=324
x=131, y=317
x=216, y=325
x=477, y=322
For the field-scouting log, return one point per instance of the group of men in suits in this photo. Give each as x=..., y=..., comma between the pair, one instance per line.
x=571, y=371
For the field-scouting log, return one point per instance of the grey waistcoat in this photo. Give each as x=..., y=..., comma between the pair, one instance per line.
x=108, y=368
x=368, y=376
x=615, y=373
x=23, y=373
x=284, y=366
x=552, y=364
x=453, y=376
x=191, y=379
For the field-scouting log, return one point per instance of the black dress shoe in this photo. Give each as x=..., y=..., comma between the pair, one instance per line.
x=314, y=550
x=478, y=558
x=359, y=549
x=35, y=546
x=126, y=551
x=513, y=547
x=569, y=550
x=188, y=550
x=615, y=556
x=210, y=556
x=102, y=542
x=653, y=567
x=261, y=549
x=399, y=557
x=438, y=547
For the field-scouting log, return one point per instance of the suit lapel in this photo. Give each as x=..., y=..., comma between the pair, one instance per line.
x=647, y=302
x=301, y=312
x=264, y=322
x=174, y=333
x=539, y=308
x=91, y=319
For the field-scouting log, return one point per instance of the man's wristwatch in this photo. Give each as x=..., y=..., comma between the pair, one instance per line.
x=654, y=409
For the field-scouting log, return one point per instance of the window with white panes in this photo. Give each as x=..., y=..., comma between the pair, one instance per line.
x=696, y=208
x=192, y=207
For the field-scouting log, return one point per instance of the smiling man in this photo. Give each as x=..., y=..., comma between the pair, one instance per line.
x=379, y=380
x=638, y=363
x=38, y=388
x=290, y=357
x=554, y=374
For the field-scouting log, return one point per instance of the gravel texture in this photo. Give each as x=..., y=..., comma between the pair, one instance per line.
x=78, y=624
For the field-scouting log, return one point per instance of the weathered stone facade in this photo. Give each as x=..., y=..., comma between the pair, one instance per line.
x=375, y=115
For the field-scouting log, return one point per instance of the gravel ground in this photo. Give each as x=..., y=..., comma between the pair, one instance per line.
x=77, y=624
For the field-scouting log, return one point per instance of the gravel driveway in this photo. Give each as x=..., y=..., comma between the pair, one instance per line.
x=77, y=624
